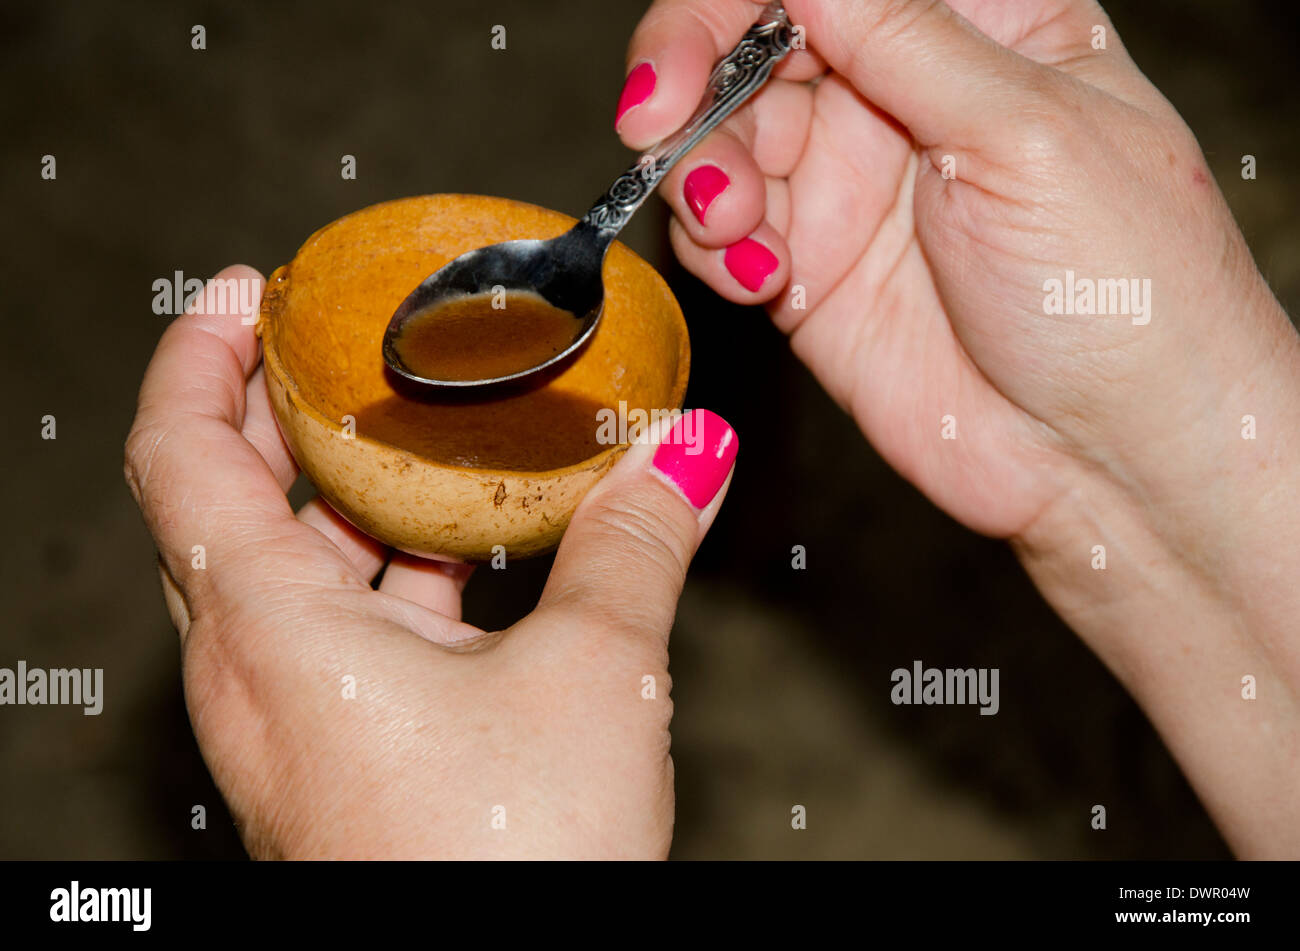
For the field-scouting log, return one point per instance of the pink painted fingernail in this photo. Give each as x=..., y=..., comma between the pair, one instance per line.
x=697, y=454
x=750, y=263
x=702, y=186
x=636, y=90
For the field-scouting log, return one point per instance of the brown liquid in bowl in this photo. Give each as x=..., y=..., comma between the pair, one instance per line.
x=467, y=338
x=531, y=432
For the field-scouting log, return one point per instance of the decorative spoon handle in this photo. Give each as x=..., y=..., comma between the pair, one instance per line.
x=737, y=77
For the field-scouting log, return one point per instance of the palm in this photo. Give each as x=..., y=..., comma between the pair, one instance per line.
x=876, y=332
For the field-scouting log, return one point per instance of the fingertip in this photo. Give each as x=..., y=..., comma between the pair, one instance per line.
x=751, y=270
x=638, y=87
x=227, y=307
x=751, y=263
x=669, y=64
x=692, y=451
x=435, y=585
x=718, y=193
x=696, y=456
x=239, y=270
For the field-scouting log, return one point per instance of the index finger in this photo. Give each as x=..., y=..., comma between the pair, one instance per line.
x=197, y=480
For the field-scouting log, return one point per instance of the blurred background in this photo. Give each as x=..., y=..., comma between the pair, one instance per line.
x=175, y=159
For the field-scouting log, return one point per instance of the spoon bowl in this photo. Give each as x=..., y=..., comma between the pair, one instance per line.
x=566, y=271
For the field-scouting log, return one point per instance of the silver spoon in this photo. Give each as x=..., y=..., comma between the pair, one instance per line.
x=566, y=270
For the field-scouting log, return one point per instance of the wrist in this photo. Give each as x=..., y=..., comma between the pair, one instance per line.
x=1201, y=482
x=1180, y=568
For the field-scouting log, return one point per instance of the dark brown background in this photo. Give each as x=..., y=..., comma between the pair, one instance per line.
x=174, y=159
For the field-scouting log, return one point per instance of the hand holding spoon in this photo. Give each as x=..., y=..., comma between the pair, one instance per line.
x=563, y=274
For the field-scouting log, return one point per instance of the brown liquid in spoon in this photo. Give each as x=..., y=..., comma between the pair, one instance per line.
x=466, y=338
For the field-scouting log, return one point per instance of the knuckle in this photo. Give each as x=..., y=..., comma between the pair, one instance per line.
x=638, y=530
x=709, y=16
x=176, y=599
x=142, y=461
x=219, y=685
x=635, y=553
x=131, y=474
x=890, y=24
x=225, y=658
x=141, y=446
x=1045, y=130
x=899, y=18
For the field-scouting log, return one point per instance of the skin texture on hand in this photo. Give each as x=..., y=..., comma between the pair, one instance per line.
x=539, y=741
x=947, y=163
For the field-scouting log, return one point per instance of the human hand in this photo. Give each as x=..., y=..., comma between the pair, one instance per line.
x=1126, y=438
x=546, y=727
x=925, y=294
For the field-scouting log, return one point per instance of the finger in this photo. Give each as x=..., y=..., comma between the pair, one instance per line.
x=718, y=192
x=775, y=126
x=863, y=161
x=624, y=556
x=261, y=429
x=198, y=481
x=436, y=585
x=365, y=554
x=670, y=57
x=752, y=270
x=925, y=65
